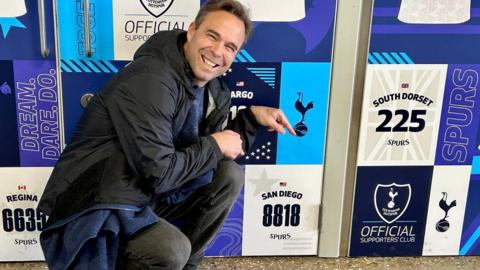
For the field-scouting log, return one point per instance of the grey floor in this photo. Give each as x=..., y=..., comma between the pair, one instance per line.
x=307, y=263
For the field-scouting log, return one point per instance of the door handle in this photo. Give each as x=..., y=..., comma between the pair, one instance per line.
x=86, y=26
x=43, y=31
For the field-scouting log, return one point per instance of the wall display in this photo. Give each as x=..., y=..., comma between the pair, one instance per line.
x=292, y=72
x=419, y=109
x=20, y=221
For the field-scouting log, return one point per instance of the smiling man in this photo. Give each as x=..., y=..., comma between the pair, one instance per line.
x=151, y=150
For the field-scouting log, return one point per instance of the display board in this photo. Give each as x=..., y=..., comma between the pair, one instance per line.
x=30, y=121
x=276, y=213
x=281, y=200
x=418, y=144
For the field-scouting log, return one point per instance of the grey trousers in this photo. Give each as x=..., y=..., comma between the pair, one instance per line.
x=164, y=246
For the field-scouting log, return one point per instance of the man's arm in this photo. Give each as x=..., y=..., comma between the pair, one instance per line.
x=142, y=110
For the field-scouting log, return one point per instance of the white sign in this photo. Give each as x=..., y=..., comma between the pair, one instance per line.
x=20, y=191
x=135, y=21
x=281, y=207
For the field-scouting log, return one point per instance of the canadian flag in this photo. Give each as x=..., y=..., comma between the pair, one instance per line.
x=22, y=187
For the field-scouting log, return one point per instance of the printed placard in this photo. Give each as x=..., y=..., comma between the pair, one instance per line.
x=135, y=21
x=304, y=100
x=458, y=137
x=281, y=209
x=255, y=84
x=21, y=221
x=390, y=210
x=38, y=116
x=446, y=209
x=401, y=114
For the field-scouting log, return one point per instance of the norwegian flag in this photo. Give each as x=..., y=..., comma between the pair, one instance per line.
x=22, y=187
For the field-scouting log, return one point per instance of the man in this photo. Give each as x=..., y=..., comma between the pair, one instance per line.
x=150, y=150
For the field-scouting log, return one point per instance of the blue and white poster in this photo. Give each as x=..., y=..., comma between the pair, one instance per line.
x=390, y=220
x=420, y=107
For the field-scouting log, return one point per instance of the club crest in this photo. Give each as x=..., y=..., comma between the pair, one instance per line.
x=391, y=201
x=156, y=7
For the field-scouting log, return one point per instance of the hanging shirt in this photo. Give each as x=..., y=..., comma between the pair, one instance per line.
x=434, y=11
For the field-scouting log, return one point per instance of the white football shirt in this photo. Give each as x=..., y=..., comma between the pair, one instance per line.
x=10, y=9
x=275, y=10
x=434, y=11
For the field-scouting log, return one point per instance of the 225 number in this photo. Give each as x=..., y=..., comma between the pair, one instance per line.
x=400, y=126
x=278, y=215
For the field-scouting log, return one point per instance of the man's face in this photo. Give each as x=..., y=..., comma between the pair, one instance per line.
x=212, y=46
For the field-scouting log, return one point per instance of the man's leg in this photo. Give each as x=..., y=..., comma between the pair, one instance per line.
x=160, y=246
x=204, y=211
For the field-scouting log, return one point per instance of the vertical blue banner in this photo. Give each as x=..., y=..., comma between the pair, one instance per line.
x=304, y=99
x=36, y=93
x=458, y=133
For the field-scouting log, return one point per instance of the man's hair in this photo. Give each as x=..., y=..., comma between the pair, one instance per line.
x=231, y=6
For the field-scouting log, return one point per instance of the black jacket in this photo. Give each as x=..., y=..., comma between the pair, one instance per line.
x=124, y=148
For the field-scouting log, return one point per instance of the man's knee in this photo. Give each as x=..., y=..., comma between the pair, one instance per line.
x=159, y=246
x=231, y=175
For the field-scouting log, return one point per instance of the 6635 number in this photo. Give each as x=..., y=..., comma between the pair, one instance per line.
x=19, y=219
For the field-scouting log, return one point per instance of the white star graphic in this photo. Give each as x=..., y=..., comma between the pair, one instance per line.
x=264, y=183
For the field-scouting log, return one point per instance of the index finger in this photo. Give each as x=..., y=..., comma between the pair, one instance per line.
x=284, y=122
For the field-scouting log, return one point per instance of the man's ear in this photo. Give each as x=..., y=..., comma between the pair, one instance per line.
x=191, y=30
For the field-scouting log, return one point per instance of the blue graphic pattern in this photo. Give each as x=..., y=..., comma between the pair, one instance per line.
x=88, y=66
x=7, y=23
x=389, y=58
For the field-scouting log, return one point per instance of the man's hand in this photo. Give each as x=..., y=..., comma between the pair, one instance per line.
x=272, y=118
x=230, y=143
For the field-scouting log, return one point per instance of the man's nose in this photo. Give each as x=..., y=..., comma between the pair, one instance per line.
x=217, y=49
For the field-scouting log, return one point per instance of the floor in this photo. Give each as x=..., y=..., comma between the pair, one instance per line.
x=310, y=263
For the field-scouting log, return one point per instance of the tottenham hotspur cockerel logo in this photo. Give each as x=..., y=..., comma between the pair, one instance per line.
x=300, y=127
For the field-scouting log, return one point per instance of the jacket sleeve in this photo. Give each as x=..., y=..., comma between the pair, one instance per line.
x=142, y=110
x=245, y=125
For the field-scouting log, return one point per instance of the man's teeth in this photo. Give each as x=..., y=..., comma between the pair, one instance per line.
x=211, y=64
